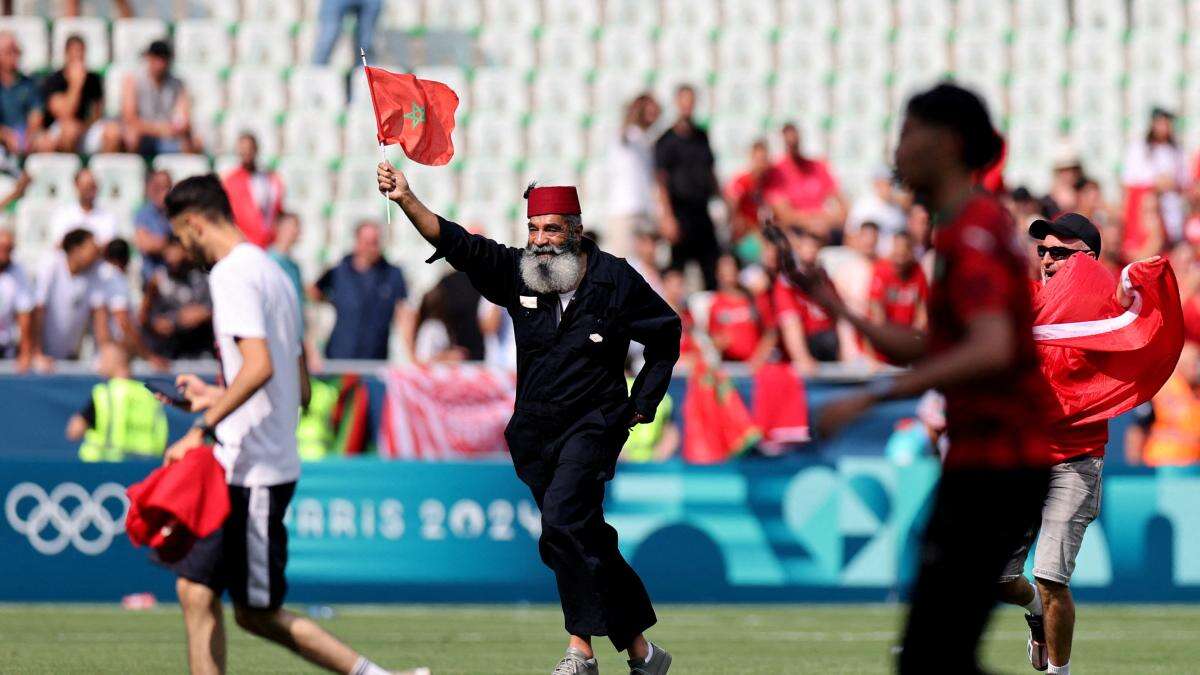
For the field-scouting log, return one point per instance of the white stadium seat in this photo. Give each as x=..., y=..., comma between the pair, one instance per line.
x=356, y=178
x=983, y=17
x=258, y=89
x=804, y=49
x=181, y=165
x=94, y=33
x=1101, y=16
x=121, y=177
x=508, y=47
x=623, y=14
x=801, y=94
x=560, y=92
x=225, y=10
x=1028, y=102
x=279, y=11
x=921, y=54
x=1095, y=98
x=31, y=34
x=696, y=14
x=815, y=16
x=1044, y=20
x=603, y=131
x=849, y=103
x=549, y=171
x=205, y=89
x=495, y=218
x=264, y=43
x=567, y=48
x=1147, y=55
x=864, y=20
x=975, y=59
x=405, y=16
x=732, y=135
x=745, y=50
x=1162, y=17
x=1146, y=92
x=261, y=124
x=32, y=227
x=626, y=51
x=114, y=81
x=505, y=15
x=320, y=88
x=307, y=183
x=488, y=182
x=495, y=137
x=223, y=164
x=924, y=15
x=749, y=13
x=360, y=133
x=556, y=134
x=203, y=42
x=685, y=51
x=312, y=133
x=437, y=186
x=1031, y=59
x=345, y=216
x=860, y=55
x=613, y=90
x=742, y=95
x=452, y=14
x=130, y=37
x=310, y=251
x=52, y=175
x=583, y=14
x=499, y=89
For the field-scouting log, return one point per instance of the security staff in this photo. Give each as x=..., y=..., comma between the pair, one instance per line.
x=122, y=418
x=575, y=309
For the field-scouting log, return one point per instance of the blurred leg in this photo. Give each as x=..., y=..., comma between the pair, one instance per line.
x=202, y=618
x=329, y=27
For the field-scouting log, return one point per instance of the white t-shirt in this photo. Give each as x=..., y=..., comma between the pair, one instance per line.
x=564, y=300
x=630, y=174
x=68, y=301
x=116, y=295
x=431, y=340
x=253, y=298
x=16, y=297
x=101, y=223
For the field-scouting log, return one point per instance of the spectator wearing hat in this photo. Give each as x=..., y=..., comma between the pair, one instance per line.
x=156, y=107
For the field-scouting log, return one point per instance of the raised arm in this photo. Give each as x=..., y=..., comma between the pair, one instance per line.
x=394, y=185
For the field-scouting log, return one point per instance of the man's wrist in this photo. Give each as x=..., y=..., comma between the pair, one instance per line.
x=881, y=388
x=207, y=432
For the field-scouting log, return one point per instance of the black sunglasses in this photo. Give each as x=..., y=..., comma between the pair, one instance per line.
x=1060, y=252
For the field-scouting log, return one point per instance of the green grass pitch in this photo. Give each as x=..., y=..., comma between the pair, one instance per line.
x=490, y=640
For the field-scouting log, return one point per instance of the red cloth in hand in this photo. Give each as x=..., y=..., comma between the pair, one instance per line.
x=177, y=504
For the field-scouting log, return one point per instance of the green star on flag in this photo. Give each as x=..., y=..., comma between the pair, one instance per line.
x=417, y=116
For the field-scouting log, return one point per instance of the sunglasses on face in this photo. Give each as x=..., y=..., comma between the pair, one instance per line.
x=1060, y=252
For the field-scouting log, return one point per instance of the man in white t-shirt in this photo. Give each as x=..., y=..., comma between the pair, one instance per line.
x=84, y=214
x=252, y=418
x=69, y=294
x=16, y=306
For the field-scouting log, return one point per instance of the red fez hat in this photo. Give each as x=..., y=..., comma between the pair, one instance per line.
x=561, y=199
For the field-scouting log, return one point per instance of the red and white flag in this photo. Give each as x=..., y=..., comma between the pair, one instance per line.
x=445, y=412
x=1099, y=358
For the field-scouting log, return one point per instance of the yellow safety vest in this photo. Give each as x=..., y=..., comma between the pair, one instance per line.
x=643, y=437
x=129, y=421
x=315, y=436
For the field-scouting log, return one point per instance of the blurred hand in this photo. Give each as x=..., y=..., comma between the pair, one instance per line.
x=638, y=418
x=75, y=72
x=669, y=226
x=191, y=316
x=192, y=439
x=159, y=363
x=834, y=416
x=200, y=394
x=162, y=326
x=392, y=182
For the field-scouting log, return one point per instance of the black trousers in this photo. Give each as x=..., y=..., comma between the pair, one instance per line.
x=979, y=519
x=565, y=465
x=697, y=241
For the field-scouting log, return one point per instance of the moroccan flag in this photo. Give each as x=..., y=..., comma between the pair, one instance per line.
x=780, y=406
x=716, y=424
x=1100, y=358
x=417, y=114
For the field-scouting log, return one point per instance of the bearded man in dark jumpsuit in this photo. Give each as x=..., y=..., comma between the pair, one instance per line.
x=575, y=309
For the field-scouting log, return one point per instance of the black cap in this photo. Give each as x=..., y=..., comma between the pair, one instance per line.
x=1068, y=225
x=1160, y=111
x=161, y=49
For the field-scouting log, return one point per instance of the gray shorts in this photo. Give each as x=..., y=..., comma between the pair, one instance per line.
x=1072, y=503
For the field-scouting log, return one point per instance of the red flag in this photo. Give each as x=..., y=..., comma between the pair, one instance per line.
x=1101, y=359
x=780, y=405
x=418, y=114
x=177, y=504
x=716, y=425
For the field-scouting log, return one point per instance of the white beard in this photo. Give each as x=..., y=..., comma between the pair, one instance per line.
x=557, y=274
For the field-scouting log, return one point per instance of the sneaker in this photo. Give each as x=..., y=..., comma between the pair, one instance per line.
x=576, y=663
x=1039, y=656
x=659, y=663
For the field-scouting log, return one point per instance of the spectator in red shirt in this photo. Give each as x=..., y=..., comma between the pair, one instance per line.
x=899, y=291
x=745, y=196
x=980, y=354
x=255, y=193
x=807, y=332
x=802, y=192
x=739, y=324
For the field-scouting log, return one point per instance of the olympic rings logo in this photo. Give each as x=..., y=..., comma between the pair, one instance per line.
x=50, y=526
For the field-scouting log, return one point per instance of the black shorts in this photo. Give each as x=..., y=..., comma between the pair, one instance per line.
x=247, y=556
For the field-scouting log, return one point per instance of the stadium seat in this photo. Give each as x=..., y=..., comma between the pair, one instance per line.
x=817, y=17
x=1031, y=59
x=495, y=137
x=1028, y=102
x=864, y=20
x=1041, y=19
x=612, y=90
x=495, y=219
x=451, y=76
x=278, y=11
x=1147, y=91
x=264, y=43
x=602, y=132
x=463, y=15
x=94, y=32
x=983, y=17
x=849, y=103
x=749, y=14
x=1154, y=54
x=130, y=37
x=402, y=16
x=978, y=58
x=856, y=143
x=582, y=14
x=625, y=14
x=31, y=225
x=1162, y=17
x=512, y=17
x=561, y=92
x=1095, y=98
x=921, y=54
x=312, y=133
x=52, y=175
x=686, y=51
x=320, y=88
x=700, y=15
x=508, y=48
x=437, y=186
x=345, y=216
x=114, y=81
x=203, y=42
x=556, y=134
x=488, y=182
x=732, y=135
x=1030, y=150
x=741, y=95
x=256, y=88
x=223, y=164
x=31, y=34
x=745, y=50
x=593, y=194
x=206, y=89
x=181, y=165
x=626, y=51
x=310, y=250
x=924, y=15
x=549, y=171
x=356, y=178
x=307, y=184
x=860, y=55
x=1101, y=16
x=567, y=48
x=800, y=94
x=345, y=54
x=802, y=49
x=121, y=177
x=261, y=124
x=499, y=89
x=225, y=10
x=359, y=134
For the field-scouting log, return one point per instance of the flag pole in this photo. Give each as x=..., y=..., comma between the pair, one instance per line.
x=387, y=203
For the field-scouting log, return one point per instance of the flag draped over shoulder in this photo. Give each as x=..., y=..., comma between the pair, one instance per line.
x=414, y=113
x=716, y=424
x=1099, y=358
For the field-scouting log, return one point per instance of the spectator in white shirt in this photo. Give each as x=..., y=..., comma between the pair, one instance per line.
x=1158, y=163
x=631, y=202
x=69, y=292
x=85, y=214
x=16, y=306
x=880, y=205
